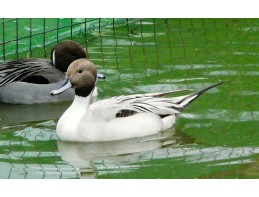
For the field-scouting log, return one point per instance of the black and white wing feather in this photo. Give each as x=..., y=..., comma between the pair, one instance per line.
x=18, y=70
x=156, y=103
x=124, y=106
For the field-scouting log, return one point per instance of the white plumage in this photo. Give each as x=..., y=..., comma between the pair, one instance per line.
x=118, y=117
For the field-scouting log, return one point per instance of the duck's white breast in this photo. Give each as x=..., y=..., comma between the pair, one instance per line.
x=69, y=121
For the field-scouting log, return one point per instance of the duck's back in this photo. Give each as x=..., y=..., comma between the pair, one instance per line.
x=28, y=81
x=32, y=70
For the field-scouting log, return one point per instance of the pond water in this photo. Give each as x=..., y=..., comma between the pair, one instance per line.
x=217, y=136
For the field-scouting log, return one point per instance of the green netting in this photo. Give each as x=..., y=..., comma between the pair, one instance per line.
x=21, y=37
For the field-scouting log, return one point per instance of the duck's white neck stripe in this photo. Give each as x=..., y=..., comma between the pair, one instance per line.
x=53, y=57
x=81, y=103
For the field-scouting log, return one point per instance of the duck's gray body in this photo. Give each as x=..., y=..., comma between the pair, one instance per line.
x=29, y=93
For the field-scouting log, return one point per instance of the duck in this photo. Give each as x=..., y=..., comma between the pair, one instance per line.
x=29, y=81
x=115, y=118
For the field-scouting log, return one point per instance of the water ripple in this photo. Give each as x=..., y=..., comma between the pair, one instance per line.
x=223, y=115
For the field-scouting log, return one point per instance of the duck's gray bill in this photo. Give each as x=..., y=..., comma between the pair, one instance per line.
x=65, y=85
x=100, y=76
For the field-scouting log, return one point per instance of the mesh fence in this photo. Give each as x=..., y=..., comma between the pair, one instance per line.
x=20, y=38
x=217, y=137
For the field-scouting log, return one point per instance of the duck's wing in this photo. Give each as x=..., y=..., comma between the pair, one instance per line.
x=124, y=106
x=156, y=94
x=18, y=70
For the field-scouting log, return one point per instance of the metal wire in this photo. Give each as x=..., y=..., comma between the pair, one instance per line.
x=50, y=34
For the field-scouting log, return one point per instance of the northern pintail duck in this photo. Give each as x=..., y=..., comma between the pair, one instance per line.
x=116, y=118
x=27, y=81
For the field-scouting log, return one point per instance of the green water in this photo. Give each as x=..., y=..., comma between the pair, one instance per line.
x=217, y=136
x=28, y=37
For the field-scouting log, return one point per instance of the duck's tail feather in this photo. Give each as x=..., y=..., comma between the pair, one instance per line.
x=186, y=100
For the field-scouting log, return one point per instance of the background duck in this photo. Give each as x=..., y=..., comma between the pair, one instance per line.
x=115, y=118
x=28, y=81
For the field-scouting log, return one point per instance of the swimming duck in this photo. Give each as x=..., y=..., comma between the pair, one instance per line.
x=116, y=118
x=27, y=81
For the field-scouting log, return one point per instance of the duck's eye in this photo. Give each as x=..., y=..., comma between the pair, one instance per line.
x=80, y=71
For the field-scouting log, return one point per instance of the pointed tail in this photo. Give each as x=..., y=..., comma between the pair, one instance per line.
x=186, y=100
